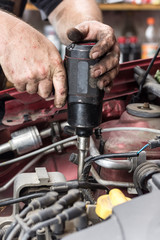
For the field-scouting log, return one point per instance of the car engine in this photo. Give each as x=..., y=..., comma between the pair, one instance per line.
x=117, y=195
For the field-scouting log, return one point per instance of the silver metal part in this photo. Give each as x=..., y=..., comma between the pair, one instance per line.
x=26, y=140
x=109, y=183
x=83, y=146
x=41, y=150
x=131, y=190
x=23, y=141
x=29, y=139
x=6, y=147
x=129, y=164
x=108, y=164
x=46, y=133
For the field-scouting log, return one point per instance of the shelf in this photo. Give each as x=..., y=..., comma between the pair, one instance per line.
x=128, y=6
x=116, y=7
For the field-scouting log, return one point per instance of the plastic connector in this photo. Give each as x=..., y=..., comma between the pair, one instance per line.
x=154, y=143
x=45, y=201
x=73, y=212
x=98, y=133
x=72, y=196
x=45, y=214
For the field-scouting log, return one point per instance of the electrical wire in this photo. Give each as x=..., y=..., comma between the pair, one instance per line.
x=56, y=187
x=49, y=209
x=68, y=214
x=106, y=157
x=111, y=155
x=40, y=202
x=108, y=163
x=21, y=199
x=143, y=148
x=38, y=151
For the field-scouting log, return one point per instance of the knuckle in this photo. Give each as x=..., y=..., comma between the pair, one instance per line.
x=29, y=76
x=57, y=60
x=112, y=74
x=43, y=71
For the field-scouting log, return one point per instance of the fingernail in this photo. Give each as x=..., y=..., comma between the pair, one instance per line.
x=107, y=89
x=95, y=55
x=58, y=106
x=97, y=73
x=100, y=85
x=106, y=83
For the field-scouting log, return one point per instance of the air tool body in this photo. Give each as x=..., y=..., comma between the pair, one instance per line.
x=84, y=97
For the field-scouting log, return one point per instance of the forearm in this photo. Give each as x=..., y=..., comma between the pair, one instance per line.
x=7, y=24
x=69, y=13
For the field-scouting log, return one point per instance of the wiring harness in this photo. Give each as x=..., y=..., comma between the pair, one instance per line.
x=50, y=210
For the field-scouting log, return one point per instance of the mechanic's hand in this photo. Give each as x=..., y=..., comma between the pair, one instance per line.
x=106, y=47
x=33, y=64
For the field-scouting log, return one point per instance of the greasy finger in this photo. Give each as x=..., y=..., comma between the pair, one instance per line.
x=60, y=85
x=105, y=43
x=20, y=86
x=102, y=33
x=32, y=87
x=45, y=88
x=75, y=35
x=108, y=88
x=110, y=61
x=107, y=78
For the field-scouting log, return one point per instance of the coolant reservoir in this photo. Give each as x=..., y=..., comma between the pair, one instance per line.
x=139, y=116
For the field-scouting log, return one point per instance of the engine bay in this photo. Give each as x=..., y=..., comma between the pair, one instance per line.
x=41, y=195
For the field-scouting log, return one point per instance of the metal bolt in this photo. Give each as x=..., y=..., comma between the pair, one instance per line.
x=146, y=105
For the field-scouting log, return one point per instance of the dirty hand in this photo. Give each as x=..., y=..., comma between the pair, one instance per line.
x=106, y=48
x=33, y=64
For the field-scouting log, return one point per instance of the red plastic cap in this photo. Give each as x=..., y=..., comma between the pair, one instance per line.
x=133, y=39
x=121, y=39
x=150, y=21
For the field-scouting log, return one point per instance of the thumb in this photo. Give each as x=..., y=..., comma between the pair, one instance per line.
x=60, y=86
x=75, y=35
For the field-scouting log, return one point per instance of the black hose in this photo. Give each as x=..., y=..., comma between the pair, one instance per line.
x=111, y=155
x=142, y=174
x=92, y=186
x=57, y=187
x=91, y=159
x=21, y=199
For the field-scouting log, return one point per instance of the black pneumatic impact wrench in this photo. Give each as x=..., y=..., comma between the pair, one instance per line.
x=84, y=97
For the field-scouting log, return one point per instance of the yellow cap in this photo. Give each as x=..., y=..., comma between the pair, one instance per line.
x=105, y=203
